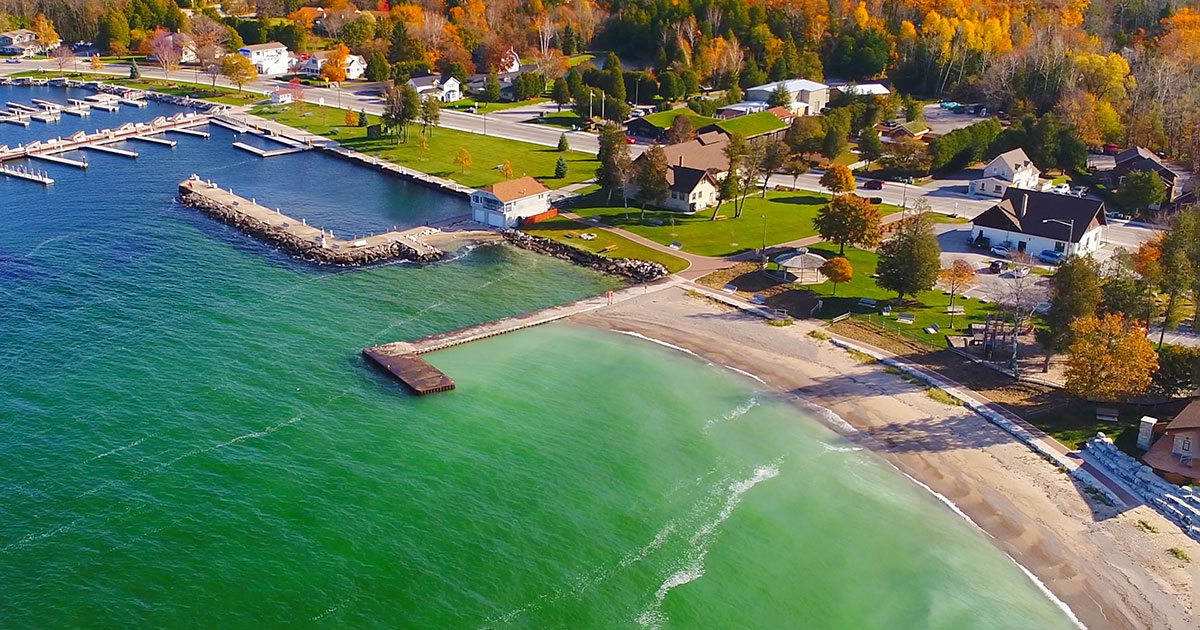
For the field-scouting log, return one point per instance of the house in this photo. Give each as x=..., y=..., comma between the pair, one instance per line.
x=446, y=90
x=22, y=42
x=1139, y=159
x=281, y=97
x=742, y=109
x=862, y=89
x=510, y=62
x=808, y=97
x=504, y=204
x=706, y=152
x=1011, y=169
x=890, y=131
x=1176, y=455
x=695, y=170
x=1032, y=222
x=355, y=65
x=782, y=113
x=185, y=47
x=476, y=82
x=269, y=59
x=762, y=124
x=689, y=189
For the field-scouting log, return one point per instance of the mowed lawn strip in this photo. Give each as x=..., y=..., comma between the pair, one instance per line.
x=789, y=216
x=487, y=152
x=606, y=243
x=928, y=308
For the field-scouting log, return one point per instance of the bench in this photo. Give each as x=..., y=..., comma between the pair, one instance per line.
x=729, y=288
x=932, y=330
x=906, y=318
x=757, y=298
x=1105, y=414
x=867, y=302
x=956, y=310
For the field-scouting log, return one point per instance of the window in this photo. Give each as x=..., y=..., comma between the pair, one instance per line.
x=997, y=187
x=1187, y=444
x=1060, y=246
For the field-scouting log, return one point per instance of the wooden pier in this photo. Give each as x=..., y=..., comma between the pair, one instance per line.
x=19, y=172
x=127, y=131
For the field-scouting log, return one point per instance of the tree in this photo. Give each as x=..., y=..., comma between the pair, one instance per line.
x=95, y=63
x=431, y=113
x=956, y=278
x=134, y=71
x=770, y=156
x=1110, y=358
x=1141, y=189
x=113, y=32
x=613, y=171
x=838, y=179
x=670, y=87
x=378, y=68
x=849, y=220
x=806, y=135
x=560, y=168
x=334, y=68
x=838, y=269
x=835, y=142
x=796, y=167
x=614, y=77
x=743, y=171
x=363, y=121
x=351, y=118
x=43, y=28
x=393, y=110
x=870, y=146
x=463, y=159
x=681, y=130
x=166, y=53
x=238, y=69
x=910, y=260
x=1075, y=292
x=491, y=88
x=560, y=92
x=410, y=108
x=62, y=57
x=1178, y=277
x=506, y=169
x=780, y=97
x=563, y=145
x=651, y=177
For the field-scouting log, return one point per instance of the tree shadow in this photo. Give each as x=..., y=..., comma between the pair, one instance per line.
x=807, y=200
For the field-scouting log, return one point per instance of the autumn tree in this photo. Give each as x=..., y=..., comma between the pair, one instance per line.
x=431, y=114
x=351, y=118
x=796, y=167
x=682, y=129
x=209, y=38
x=651, y=177
x=805, y=135
x=334, y=68
x=62, y=56
x=613, y=172
x=849, y=220
x=838, y=269
x=956, y=278
x=770, y=155
x=238, y=70
x=43, y=29
x=909, y=261
x=294, y=89
x=838, y=179
x=95, y=63
x=506, y=169
x=166, y=53
x=1109, y=359
x=463, y=159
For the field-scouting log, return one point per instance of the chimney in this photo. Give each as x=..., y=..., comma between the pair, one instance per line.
x=1024, y=205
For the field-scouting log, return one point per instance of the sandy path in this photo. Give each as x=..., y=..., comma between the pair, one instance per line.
x=1112, y=573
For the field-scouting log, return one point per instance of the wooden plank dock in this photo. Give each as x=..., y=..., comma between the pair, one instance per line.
x=19, y=172
x=416, y=373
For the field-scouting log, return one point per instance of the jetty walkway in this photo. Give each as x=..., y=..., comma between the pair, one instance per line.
x=297, y=238
x=83, y=140
x=402, y=359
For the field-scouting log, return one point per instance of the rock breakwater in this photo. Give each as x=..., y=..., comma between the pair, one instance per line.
x=636, y=270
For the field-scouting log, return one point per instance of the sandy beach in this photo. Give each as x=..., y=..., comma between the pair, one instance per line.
x=1103, y=563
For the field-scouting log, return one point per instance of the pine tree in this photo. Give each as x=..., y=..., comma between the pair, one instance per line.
x=560, y=168
x=909, y=261
x=614, y=160
x=562, y=143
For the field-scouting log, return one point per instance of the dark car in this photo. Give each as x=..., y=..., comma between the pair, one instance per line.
x=874, y=184
x=998, y=266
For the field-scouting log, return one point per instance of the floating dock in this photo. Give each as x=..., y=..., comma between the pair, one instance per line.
x=21, y=173
x=267, y=153
x=191, y=132
x=155, y=140
x=127, y=131
x=103, y=148
x=58, y=159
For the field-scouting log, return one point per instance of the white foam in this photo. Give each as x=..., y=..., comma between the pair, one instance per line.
x=745, y=373
x=118, y=449
x=657, y=341
x=732, y=414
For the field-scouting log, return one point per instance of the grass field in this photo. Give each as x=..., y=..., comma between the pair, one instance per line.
x=567, y=119
x=487, y=152
x=789, y=216
x=664, y=120
x=752, y=125
x=929, y=307
x=606, y=243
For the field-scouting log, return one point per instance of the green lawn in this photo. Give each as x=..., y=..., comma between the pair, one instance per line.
x=789, y=216
x=752, y=124
x=488, y=108
x=606, y=243
x=664, y=120
x=575, y=60
x=487, y=152
x=928, y=307
x=566, y=119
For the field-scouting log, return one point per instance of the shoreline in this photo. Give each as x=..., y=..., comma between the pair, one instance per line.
x=1091, y=558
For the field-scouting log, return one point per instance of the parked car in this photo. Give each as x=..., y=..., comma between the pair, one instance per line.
x=997, y=266
x=1052, y=257
x=13, y=60
x=1020, y=272
x=1079, y=191
x=1111, y=149
x=874, y=184
x=1061, y=189
x=1000, y=251
x=630, y=140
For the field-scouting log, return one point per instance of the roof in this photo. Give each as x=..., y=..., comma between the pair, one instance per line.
x=309, y=13
x=1189, y=418
x=752, y=125
x=664, y=120
x=706, y=152
x=1137, y=158
x=19, y=31
x=791, y=85
x=429, y=80
x=748, y=106
x=685, y=179
x=514, y=189
x=865, y=89
x=782, y=113
x=1005, y=215
x=1134, y=152
x=1015, y=159
x=266, y=46
x=1159, y=457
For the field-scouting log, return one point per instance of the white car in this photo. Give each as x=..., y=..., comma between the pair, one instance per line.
x=1020, y=272
x=1000, y=251
x=1061, y=189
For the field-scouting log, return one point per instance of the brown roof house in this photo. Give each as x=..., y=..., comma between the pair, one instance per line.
x=694, y=172
x=504, y=204
x=1176, y=455
x=1033, y=222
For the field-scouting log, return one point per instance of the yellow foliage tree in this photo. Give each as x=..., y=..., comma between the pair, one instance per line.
x=334, y=68
x=506, y=169
x=463, y=159
x=838, y=269
x=1110, y=359
x=44, y=29
x=96, y=63
x=838, y=179
x=956, y=278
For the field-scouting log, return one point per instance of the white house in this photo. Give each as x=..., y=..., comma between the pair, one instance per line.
x=691, y=189
x=504, y=204
x=1031, y=222
x=808, y=97
x=269, y=59
x=1011, y=169
x=281, y=97
x=355, y=65
x=863, y=89
x=23, y=42
x=446, y=90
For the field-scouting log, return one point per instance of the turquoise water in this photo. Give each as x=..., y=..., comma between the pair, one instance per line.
x=189, y=438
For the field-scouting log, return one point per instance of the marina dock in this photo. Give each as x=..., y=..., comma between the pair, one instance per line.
x=127, y=131
x=19, y=172
x=267, y=153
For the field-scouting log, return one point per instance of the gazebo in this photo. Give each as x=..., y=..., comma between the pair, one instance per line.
x=803, y=264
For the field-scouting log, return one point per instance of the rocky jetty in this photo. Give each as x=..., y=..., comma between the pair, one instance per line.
x=279, y=235
x=636, y=270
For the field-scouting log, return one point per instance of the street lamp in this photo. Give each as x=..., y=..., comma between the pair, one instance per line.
x=1070, y=223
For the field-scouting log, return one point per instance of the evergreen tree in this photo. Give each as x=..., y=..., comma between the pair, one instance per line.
x=614, y=160
x=560, y=92
x=134, y=71
x=560, y=168
x=491, y=88
x=651, y=177
x=780, y=97
x=615, y=81
x=870, y=146
x=378, y=68
x=562, y=143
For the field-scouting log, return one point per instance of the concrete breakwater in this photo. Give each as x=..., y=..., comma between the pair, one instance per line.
x=636, y=270
x=296, y=238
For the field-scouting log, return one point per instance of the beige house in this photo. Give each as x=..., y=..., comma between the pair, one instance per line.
x=694, y=173
x=1176, y=455
x=1011, y=169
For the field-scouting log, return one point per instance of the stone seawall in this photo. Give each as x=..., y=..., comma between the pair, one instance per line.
x=298, y=247
x=636, y=270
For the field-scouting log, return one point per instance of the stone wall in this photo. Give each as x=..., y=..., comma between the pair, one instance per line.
x=298, y=247
x=1178, y=504
x=636, y=270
